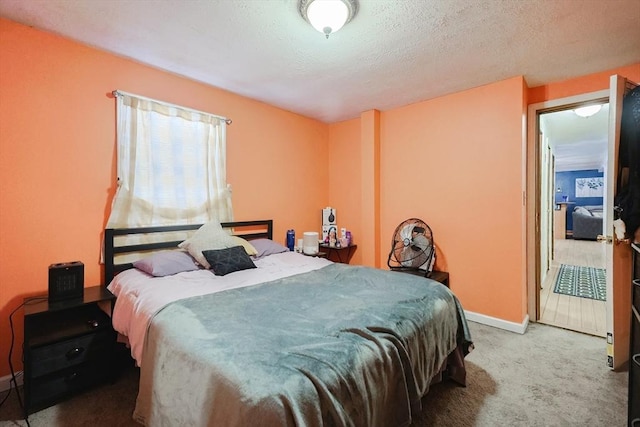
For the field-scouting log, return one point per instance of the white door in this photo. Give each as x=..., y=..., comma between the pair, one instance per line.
x=618, y=253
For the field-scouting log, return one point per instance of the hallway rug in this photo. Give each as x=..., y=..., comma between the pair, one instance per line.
x=583, y=282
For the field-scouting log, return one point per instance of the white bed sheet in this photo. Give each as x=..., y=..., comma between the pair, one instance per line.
x=140, y=296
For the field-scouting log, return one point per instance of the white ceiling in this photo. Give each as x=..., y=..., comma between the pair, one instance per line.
x=393, y=53
x=578, y=143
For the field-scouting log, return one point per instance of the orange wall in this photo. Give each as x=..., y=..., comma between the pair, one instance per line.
x=57, y=158
x=345, y=187
x=585, y=84
x=455, y=162
x=458, y=163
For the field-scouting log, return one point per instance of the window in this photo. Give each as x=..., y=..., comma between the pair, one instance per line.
x=171, y=165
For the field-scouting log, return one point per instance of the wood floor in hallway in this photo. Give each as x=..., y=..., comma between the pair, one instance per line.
x=574, y=313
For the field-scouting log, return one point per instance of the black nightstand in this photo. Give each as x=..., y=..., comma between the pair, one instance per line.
x=68, y=347
x=438, y=276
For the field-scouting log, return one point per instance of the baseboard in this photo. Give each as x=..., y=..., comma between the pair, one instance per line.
x=519, y=328
x=5, y=382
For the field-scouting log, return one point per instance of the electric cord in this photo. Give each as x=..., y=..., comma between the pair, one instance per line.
x=13, y=374
x=19, y=374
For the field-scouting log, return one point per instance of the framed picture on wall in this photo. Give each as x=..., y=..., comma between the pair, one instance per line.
x=590, y=187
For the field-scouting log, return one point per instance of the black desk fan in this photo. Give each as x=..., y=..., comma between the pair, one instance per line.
x=412, y=247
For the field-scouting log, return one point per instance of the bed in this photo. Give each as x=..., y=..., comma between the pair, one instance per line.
x=292, y=341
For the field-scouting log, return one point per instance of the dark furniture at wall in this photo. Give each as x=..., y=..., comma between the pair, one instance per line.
x=587, y=222
x=318, y=255
x=438, y=276
x=634, y=347
x=68, y=347
x=339, y=254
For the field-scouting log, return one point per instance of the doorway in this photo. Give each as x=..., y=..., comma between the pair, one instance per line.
x=573, y=153
x=617, y=250
x=546, y=254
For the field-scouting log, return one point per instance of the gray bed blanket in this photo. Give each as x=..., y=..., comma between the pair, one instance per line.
x=339, y=346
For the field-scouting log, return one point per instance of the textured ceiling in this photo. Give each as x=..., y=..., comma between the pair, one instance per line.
x=393, y=53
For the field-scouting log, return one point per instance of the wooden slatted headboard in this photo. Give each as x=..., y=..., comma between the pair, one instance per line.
x=245, y=229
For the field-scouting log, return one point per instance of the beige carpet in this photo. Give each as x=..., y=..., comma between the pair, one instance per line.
x=546, y=377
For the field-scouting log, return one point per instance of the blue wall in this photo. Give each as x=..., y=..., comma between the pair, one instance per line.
x=566, y=181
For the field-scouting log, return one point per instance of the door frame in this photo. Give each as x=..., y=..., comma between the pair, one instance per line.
x=533, y=189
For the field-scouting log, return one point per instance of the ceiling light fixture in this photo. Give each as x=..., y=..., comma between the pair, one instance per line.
x=587, y=111
x=328, y=16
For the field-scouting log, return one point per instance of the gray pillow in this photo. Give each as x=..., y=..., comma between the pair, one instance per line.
x=166, y=263
x=225, y=261
x=266, y=247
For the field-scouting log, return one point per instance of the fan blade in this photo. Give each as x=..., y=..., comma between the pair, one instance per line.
x=406, y=231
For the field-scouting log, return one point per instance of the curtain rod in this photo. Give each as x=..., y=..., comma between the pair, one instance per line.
x=116, y=93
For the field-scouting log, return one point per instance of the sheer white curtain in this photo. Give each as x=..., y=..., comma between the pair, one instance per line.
x=171, y=165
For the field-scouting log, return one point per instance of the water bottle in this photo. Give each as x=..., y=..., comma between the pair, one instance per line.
x=291, y=239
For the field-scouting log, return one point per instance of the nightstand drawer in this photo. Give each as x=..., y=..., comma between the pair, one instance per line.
x=53, y=357
x=49, y=327
x=50, y=388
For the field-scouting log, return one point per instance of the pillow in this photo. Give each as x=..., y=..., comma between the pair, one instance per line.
x=166, y=263
x=582, y=211
x=266, y=247
x=225, y=261
x=248, y=247
x=209, y=236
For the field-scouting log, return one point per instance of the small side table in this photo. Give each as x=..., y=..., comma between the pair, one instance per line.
x=438, y=276
x=342, y=254
x=318, y=255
